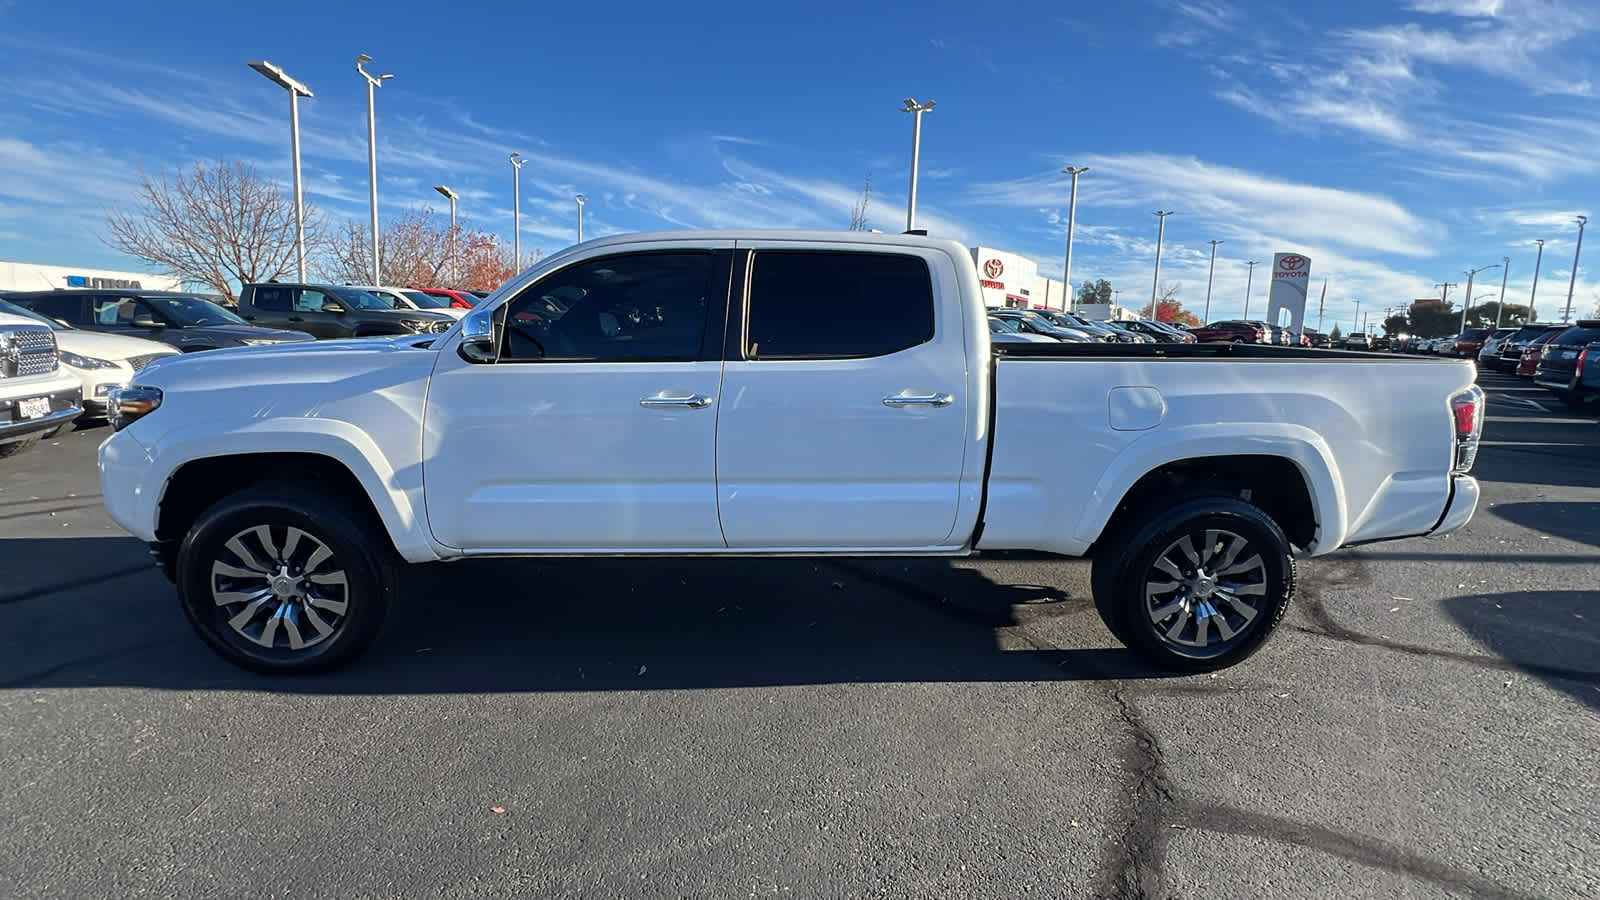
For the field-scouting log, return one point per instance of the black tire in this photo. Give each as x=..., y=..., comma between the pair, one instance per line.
x=368, y=569
x=1120, y=575
x=15, y=447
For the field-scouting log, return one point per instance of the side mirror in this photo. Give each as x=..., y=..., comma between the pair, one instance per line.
x=478, y=336
x=145, y=320
x=330, y=306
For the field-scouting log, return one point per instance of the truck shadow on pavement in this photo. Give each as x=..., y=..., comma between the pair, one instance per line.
x=95, y=611
x=1573, y=521
x=1556, y=633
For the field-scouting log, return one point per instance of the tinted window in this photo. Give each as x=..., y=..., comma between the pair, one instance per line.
x=271, y=299
x=67, y=309
x=808, y=304
x=1577, y=337
x=106, y=310
x=638, y=307
x=192, y=311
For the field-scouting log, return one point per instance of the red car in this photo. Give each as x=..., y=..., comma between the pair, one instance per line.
x=1230, y=332
x=457, y=299
x=1470, y=342
x=1533, y=353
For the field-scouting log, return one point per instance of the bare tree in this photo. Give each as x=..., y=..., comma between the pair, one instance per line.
x=858, y=213
x=415, y=251
x=218, y=225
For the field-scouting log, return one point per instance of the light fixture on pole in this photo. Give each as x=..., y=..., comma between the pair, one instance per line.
x=1500, y=305
x=517, y=162
x=916, y=109
x=1161, y=230
x=1534, y=293
x=1209, y=273
x=452, y=195
x=1466, y=305
x=1573, y=282
x=372, y=154
x=296, y=90
x=580, y=198
x=1248, y=280
x=1067, y=302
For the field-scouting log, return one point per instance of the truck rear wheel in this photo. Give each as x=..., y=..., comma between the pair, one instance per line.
x=280, y=580
x=1199, y=586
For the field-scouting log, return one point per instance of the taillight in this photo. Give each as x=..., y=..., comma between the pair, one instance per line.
x=1577, y=374
x=1467, y=410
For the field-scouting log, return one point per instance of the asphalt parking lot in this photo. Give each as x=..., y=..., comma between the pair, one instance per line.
x=1426, y=724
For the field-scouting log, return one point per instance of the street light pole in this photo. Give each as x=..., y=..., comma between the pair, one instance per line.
x=1533, y=294
x=372, y=154
x=454, y=277
x=517, y=162
x=1466, y=304
x=296, y=91
x=580, y=198
x=916, y=109
x=1161, y=230
x=1209, y=273
x=1500, y=305
x=1572, y=282
x=1072, y=210
x=1248, y=280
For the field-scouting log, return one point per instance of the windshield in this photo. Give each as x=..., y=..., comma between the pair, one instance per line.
x=360, y=299
x=192, y=311
x=16, y=310
x=425, y=301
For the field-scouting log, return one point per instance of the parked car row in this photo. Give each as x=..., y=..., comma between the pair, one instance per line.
x=86, y=343
x=1055, y=324
x=1561, y=357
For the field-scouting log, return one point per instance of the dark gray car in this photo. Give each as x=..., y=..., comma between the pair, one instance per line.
x=185, y=321
x=334, y=311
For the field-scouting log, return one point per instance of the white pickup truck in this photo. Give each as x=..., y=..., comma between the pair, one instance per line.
x=38, y=397
x=754, y=393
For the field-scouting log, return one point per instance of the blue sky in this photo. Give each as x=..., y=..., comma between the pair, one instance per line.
x=1397, y=144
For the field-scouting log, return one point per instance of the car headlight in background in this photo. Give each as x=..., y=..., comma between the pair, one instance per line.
x=256, y=342
x=130, y=404
x=85, y=362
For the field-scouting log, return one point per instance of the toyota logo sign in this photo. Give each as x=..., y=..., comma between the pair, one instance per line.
x=1292, y=263
x=993, y=268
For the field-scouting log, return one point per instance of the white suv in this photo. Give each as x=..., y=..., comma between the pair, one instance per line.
x=37, y=396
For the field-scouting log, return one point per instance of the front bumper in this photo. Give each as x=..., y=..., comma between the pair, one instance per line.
x=1459, y=508
x=129, y=500
x=66, y=404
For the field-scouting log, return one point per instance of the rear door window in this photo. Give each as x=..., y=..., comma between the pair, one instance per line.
x=1577, y=337
x=808, y=304
x=271, y=299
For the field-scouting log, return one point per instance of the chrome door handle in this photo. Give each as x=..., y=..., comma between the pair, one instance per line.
x=693, y=401
x=919, y=400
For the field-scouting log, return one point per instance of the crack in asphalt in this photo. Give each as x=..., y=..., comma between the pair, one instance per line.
x=1133, y=864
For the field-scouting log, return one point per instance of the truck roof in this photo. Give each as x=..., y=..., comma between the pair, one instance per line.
x=819, y=235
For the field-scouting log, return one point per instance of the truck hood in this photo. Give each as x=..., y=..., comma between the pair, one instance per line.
x=253, y=332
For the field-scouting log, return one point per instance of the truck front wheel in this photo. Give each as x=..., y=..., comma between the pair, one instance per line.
x=1199, y=586
x=280, y=580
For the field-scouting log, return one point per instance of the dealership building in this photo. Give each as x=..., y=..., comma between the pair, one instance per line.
x=1011, y=280
x=18, y=276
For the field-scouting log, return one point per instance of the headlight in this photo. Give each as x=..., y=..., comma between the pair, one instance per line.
x=130, y=404
x=256, y=342
x=416, y=324
x=85, y=362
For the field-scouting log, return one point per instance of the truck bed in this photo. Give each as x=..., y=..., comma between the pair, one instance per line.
x=1239, y=352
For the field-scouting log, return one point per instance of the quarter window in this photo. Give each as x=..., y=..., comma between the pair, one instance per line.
x=270, y=299
x=637, y=307
x=808, y=304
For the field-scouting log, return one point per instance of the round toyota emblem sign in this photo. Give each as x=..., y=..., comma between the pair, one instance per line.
x=994, y=268
x=1292, y=263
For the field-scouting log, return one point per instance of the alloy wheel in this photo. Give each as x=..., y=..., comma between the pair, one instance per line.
x=280, y=588
x=1205, y=592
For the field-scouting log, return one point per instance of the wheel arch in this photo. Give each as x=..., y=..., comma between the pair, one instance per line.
x=1292, y=479
x=204, y=469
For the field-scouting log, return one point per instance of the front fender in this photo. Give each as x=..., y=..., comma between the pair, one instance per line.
x=1306, y=449
x=395, y=492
